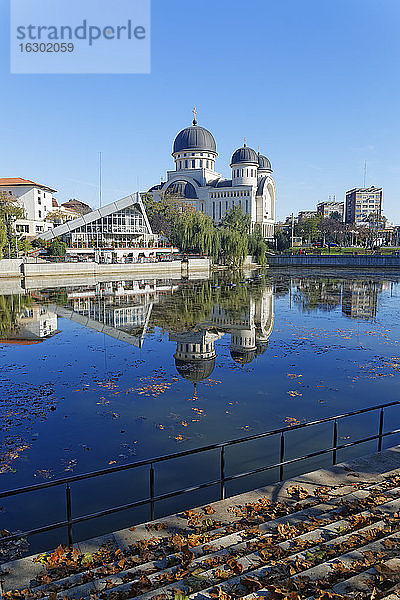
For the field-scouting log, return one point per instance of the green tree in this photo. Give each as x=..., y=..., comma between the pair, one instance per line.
x=39, y=243
x=308, y=229
x=164, y=212
x=10, y=211
x=236, y=219
x=233, y=247
x=3, y=237
x=24, y=245
x=282, y=240
x=57, y=247
x=257, y=246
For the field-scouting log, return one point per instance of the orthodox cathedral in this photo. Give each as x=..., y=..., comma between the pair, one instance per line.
x=252, y=186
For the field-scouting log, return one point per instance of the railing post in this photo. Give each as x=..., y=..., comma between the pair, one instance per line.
x=69, y=514
x=222, y=472
x=151, y=492
x=282, y=456
x=380, y=430
x=335, y=433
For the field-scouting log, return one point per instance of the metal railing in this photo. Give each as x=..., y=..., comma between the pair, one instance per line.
x=70, y=521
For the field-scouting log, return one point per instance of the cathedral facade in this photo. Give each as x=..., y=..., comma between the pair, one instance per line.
x=195, y=179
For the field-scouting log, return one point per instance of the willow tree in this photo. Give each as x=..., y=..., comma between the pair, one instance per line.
x=194, y=232
x=233, y=247
x=257, y=246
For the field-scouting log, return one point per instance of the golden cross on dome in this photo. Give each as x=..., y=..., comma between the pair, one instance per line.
x=194, y=116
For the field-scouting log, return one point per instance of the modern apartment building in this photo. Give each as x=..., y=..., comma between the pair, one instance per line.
x=327, y=210
x=362, y=203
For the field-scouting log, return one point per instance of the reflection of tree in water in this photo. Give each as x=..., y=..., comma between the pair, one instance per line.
x=193, y=304
x=242, y=309
x=318, y=294
x=357, y=296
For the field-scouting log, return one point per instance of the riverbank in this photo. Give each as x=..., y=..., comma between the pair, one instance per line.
x=21, y=268
x=336, y=261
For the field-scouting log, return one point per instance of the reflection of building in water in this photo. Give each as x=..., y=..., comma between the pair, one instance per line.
x=119, y=309
x=319, y=294
x=360, y=299
x=195, y=354
x=249, y=327
x=34, y=324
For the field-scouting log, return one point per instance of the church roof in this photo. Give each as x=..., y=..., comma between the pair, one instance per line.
x=264, y=162
x=182, y=188
x=194, y=138
x=244, y=155
x=219, y=183
x=195, y=370
x=243, y=357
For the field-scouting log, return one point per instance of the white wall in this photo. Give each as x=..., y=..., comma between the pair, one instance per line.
x=36, y=202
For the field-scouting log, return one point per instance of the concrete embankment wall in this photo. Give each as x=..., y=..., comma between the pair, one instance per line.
x=337, y=261
x=11, y=267
x=162, y=269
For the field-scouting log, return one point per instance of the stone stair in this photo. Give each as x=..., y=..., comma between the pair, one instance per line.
x=330, y=534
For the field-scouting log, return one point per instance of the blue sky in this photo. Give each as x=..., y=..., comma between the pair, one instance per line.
x=314, y=83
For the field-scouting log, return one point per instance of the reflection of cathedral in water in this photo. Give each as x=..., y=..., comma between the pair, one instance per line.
x=249, y=327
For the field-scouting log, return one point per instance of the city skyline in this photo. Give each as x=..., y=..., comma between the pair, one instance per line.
x=310, y=83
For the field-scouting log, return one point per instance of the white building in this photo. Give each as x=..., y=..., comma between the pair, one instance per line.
x=35, y=199
x=251, y=185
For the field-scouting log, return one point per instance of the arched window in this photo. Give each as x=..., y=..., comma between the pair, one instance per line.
x=193, y=164
x=186, y=164
x=201, y=164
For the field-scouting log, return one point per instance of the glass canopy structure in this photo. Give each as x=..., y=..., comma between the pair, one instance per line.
x=121, y=224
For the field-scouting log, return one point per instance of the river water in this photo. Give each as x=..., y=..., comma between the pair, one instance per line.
x=99, y=374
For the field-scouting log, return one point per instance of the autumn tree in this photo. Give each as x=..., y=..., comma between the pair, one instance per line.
x=56, y=215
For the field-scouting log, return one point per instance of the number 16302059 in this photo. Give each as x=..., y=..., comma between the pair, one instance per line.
x=46, y=47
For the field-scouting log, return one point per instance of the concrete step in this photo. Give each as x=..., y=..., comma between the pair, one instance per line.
x=282, y=535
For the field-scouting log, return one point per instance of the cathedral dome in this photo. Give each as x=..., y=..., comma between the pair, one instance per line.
x=264, y=163
x=195, y=370
x=194, y=138
x=243, y=357
x=244, y=155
